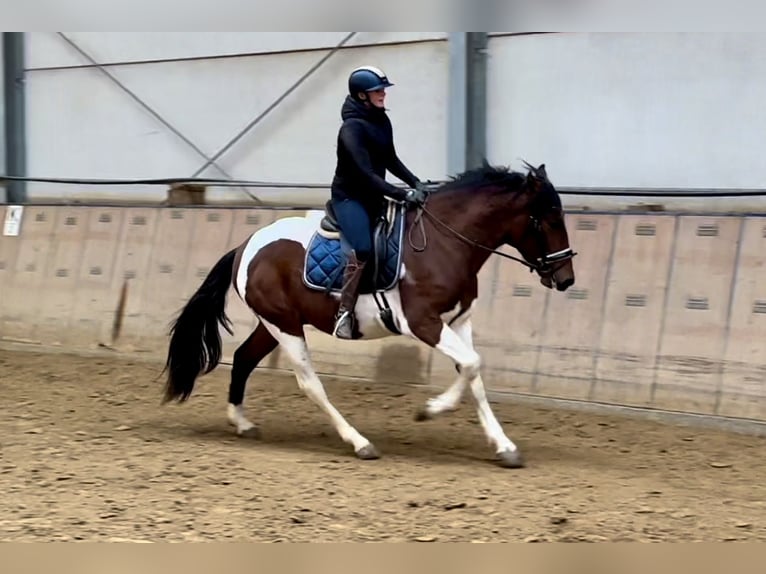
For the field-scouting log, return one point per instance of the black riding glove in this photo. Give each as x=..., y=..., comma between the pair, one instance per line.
x=415, y=196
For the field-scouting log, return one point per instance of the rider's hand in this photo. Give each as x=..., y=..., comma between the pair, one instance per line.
x=416, y=196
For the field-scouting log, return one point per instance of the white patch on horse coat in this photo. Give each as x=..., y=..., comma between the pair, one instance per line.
x=298, y=229
x=370, y=324
x=301, y=229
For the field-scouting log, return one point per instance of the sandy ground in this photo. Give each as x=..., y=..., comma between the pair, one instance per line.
x=88, y=453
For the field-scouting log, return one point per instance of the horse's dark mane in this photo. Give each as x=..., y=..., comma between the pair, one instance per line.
x=484, y=175
x=500, y=179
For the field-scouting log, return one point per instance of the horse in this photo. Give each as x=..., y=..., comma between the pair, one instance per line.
x=288, y=274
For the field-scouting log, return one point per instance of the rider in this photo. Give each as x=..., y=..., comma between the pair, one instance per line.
x=365, y=151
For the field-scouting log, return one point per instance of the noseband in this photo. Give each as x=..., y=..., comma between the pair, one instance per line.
x=543, y=264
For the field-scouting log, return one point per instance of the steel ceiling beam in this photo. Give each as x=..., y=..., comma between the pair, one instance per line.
x=15, y=115
x=466, y=105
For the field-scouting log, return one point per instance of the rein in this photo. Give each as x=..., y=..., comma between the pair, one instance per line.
x=543, y=263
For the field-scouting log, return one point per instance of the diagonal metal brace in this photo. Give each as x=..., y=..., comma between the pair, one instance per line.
x=274, y=104
x=149, y=109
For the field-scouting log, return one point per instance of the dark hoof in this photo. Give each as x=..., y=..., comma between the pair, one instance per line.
x=422, y=415
x=368, y=452
x=510, y=459
x=253, y=432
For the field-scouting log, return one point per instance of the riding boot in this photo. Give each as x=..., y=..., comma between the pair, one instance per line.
x=345, y=321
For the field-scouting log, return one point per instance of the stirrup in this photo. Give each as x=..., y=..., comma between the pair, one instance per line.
x=339, y=319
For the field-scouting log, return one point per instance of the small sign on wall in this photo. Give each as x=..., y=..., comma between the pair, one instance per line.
x=12, y=224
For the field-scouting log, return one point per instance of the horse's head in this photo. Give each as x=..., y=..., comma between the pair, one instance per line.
x=508, y=207
x=539, y=233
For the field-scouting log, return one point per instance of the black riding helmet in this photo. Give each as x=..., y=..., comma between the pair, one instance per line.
x=367, y=79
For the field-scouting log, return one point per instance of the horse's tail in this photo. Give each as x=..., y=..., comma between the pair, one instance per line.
x=195, y=342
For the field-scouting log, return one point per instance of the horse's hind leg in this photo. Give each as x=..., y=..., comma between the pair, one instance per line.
x=247, y=356
x=309, y=382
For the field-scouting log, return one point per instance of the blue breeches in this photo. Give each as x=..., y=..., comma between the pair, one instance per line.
x=354, y=222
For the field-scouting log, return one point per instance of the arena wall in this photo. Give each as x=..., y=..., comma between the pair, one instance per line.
x=668, y=312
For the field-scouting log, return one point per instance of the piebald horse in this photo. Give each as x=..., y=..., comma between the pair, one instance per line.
x=423, y=288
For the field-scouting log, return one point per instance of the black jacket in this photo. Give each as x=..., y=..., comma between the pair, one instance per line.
x=365, y=151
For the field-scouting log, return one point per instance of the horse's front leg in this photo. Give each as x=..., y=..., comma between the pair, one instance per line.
x=447, y=340
x=449, y=400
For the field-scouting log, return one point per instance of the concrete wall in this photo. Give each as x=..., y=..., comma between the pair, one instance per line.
x=669, y=311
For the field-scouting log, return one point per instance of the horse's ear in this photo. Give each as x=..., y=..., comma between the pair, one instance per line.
x=532, y=183
x=541, y=171
x=531, y=169
x=484, y=163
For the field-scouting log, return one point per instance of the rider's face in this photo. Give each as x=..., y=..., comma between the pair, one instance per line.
x=377, y=98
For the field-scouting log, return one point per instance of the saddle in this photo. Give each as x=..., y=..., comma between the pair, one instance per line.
x=329, y=226
x=328, y=250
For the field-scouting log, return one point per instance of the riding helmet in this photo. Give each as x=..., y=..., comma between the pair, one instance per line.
x=367, y=79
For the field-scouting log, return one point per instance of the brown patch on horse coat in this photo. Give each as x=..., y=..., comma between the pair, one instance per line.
x=276, y=292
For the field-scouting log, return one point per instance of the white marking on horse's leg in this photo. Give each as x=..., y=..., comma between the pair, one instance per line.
x=447, y=401
x=236, y=415
x=309, y=382
x=452, y=345
x=491, y=425
x=450, y=398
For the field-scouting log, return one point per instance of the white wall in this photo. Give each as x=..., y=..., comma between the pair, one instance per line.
x=600, y=109
x=632, y=110
x=80, y=124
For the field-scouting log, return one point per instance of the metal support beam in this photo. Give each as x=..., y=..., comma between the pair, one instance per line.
x=476, y=136
x=15, y=120
x=457, y=107
x=467, y=115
